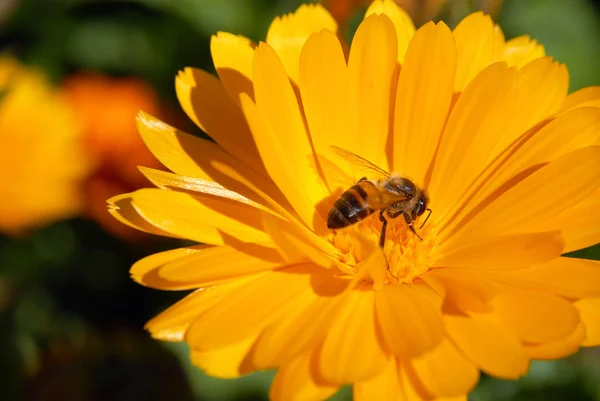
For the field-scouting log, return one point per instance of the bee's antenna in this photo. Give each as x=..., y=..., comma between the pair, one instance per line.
x=426, y=218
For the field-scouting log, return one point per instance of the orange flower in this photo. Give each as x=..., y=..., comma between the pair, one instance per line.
x=105, y=108
x=511, y=164
x=41, y=159
x=419, y=10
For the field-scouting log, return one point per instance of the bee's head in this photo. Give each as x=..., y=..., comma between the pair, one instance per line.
x=422, y=205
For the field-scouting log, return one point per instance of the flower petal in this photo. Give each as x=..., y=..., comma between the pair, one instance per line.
x=190, y=156
x=486, y=341
x=247, y=311
x=227, y=362
x=532, y=150
x=503, y=251
x=464, y=290
x=409, y=321
x=548, y=191
x=475, y=37
x=423, y=98
x=372, y=67
x=287, y=34
x=558, y=349
x=199, y=218
x=281, y=137
x=584, y=97
x=383, y=387
x=522, y=50
x=352, y=351
x=295, y=380
x=292, y=246
x=568, y=277
x=206, y=102
x=541, y=90
x=166, y=180
x=476, y=121
x=172, y=324
x=325, y=89
x=589, y=312
x=579, y=224
x=535, y=317
x=403, y=24
x=432, y=370
x=232, y=56
x=202, y=265
x=121, y=208
x=307, y=326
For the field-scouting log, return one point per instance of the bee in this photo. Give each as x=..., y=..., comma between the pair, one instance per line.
x=389, y=193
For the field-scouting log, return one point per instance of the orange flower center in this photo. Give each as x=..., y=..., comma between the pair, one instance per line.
x=407, y=256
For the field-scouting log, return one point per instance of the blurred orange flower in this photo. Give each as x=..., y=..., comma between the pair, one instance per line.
x=41, y=158
x=105, y=108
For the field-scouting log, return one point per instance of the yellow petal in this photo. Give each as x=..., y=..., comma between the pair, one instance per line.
x=202, y=266
x=306, y=233
x=423, y=99
x=589, y=312
x=352, y=351
x=146, y=271
x=435, y=375
x=464, y=290
x=589, y=96
x=247, y=311
x=199, y=218
x=186, y=155
x=568, y=277
x=166, y=180
x=292, y=246
x=410, y=323
x=121, y=208
x=295, y=381
x=475, y=38
x=541, y=90
x=206, y=102
x=487, y=342
x=537, y=197
x=521, y=50
x=476, y=121
x=558, y=349
x=372, y=67
x=383, y=387
x=287, y=34
x=227, y=362
x=579, y=224
x=302, y=328
x=325, y=89
x=232, y=56
x=281, y=137
x=535, y=317
x=172, y=324
x=532, y=150
x=403, y=24
x=503, y=251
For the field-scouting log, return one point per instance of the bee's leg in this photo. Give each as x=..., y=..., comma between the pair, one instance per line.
x=383, y=228
x=409, y=221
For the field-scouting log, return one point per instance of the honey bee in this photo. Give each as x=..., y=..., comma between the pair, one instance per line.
x=389, y=193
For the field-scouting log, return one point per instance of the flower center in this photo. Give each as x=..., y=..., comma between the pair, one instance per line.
x=407, y=255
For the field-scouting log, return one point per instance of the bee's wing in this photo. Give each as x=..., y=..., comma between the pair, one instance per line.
x=360, y=162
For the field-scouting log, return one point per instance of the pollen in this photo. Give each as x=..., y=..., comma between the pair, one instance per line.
x=407, y=256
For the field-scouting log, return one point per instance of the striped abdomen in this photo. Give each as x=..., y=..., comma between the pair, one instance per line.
x=351, y=207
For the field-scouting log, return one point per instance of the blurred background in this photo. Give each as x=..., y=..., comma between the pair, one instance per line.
x=73, y=74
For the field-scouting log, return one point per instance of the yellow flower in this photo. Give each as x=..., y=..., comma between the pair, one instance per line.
x=41, y=157
x=510, y=162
